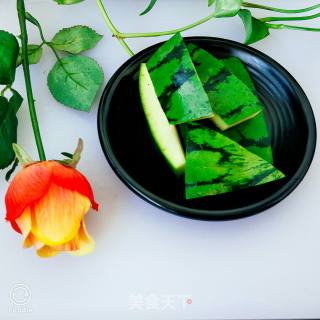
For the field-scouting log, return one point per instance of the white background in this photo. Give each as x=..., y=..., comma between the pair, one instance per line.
x=265, y=266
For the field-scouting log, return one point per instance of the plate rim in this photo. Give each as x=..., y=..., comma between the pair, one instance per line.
x=201, y=214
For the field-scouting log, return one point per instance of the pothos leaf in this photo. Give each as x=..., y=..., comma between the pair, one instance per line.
x=75, y=39
x=75, y=80
x=9, y=50
x=149, y=7
x=8, y=128
x=211, y=2
x=256, y=30
x=227, y=8
x=68, y=1
x=34, y=54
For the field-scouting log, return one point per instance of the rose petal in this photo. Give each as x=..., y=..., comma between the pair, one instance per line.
x=32, y=241
x=24, y=222
x=47, y=252
x=87, y=244
x=72, y=245
x=57, y=216
x=29, y=185
x=15, y=226
x=72, y=179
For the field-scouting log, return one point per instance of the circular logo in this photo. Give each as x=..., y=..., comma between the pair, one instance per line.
x=20, y=294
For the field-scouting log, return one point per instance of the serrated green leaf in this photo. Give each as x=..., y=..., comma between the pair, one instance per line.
x=149, y=7
x=74, y=81
x=211, y=2
x=8, y=130
x=227, y=8
x=256, y=30
x=64, y=2
x=75, y=39
x=9, y=50
x=34, y=54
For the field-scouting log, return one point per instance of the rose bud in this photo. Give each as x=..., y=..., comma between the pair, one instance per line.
x=46, y=202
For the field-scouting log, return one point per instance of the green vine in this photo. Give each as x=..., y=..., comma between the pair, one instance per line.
x=279, y=10
x=256, y=29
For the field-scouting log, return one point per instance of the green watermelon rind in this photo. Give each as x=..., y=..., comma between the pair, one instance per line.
x=232, y=101
x=253, y=134
x=177, y=84
x=216, y=164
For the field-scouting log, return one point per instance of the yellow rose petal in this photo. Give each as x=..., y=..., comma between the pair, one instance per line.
x=47, y=252
x=24, y=222
x=32, y=241
x=87, y=244
x=72, y=245
x=57, y=216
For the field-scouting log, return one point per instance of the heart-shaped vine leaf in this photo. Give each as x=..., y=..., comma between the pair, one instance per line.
x=67, y=1
x=34, y=54
x=75, y=80
x=227, y=8
x=8, y=128
x=75, y=39
x=211, y=2
x=256, y=30
x=149, y=7
x=9, y=50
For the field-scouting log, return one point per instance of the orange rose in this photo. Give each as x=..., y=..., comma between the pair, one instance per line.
x=47, y=202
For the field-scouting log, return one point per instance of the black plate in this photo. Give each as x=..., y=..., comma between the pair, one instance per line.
x=131, y=152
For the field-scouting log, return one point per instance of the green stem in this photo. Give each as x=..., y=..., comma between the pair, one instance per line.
x=289, y=27
x=168, y=32
x=263, y=7
x=26, y=70
x=112, y=28
x=269, y=19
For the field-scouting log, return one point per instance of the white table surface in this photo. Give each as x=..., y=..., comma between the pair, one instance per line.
x=148, y=262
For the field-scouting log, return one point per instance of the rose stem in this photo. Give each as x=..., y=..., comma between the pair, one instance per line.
x=26, y=71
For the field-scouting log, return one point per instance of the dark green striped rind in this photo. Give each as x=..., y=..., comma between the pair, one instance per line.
x=254, y=133
x=230, y=98
x=177, y=84
x=235, y=66
x=215, y=164
x=254, y=136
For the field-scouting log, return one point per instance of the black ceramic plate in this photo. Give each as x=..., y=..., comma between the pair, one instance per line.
x=131, y=152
